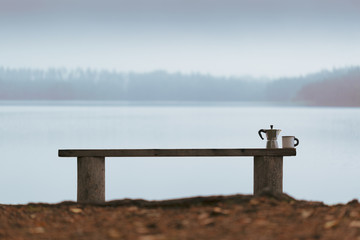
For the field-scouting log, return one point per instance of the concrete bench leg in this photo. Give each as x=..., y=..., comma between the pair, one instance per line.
x=268, y=174
x=91, y=179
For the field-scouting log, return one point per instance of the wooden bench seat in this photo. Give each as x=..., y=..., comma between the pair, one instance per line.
x=268, y=165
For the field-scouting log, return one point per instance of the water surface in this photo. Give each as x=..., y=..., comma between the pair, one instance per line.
x=326, y=167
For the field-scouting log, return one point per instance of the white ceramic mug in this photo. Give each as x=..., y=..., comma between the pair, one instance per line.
x=289, y=141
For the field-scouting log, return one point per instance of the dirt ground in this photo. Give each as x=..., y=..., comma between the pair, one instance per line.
x=263, y=217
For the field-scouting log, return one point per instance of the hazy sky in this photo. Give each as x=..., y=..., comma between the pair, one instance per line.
x=221, y=37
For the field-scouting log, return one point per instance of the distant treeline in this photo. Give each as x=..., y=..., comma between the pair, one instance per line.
x=338, y=87
x=335, y=90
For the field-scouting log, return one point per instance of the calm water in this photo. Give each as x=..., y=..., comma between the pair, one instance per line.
x=326, y=168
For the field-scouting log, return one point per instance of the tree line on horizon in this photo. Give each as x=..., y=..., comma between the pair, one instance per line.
x=339, y=87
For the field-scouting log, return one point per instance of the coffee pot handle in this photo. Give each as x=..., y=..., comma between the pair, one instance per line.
x=296, y=142
x=260, y=131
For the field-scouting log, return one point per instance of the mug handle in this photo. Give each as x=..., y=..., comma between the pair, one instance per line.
x=296, y=142
x=260, y=131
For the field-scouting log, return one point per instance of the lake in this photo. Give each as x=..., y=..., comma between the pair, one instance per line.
x=326, y=167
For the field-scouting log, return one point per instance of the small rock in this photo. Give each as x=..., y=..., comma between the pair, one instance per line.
x=254, y=202
x=203, y=215
x=76, y=210
x=37, y=230
x=133, y=209
x=208, y=222
x=219, y=211
x=355, y=224
x=331, y=224
x=306, y=213
x=185, y=223
x=113, y=233
x=152, y=237
x=354, y=214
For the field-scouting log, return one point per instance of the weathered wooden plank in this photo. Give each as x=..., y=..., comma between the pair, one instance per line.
x=226, y=152
x=268, y=174
x=91, y=180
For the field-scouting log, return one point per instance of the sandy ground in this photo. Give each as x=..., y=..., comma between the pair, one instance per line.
x=217, y=217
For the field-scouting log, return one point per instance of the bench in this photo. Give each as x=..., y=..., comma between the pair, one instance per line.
x=268, y=166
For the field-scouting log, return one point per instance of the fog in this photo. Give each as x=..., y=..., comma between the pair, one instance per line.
x=222, y=38
x=178, y=74
x=338, y=87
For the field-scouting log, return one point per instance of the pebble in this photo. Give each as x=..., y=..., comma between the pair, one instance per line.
x=37, y=230
x=331, y=224
x=207, y=222
x=152, y=237
x=76, y=210
x=113, y=233
x=355, y=224
x=203, y=215
x=306, y=213
x=219, y=211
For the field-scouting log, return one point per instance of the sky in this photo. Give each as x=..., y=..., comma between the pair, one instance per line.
x=261, y=38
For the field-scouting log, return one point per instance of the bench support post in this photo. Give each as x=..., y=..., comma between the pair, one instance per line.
x=268, y=174
x=91, y=179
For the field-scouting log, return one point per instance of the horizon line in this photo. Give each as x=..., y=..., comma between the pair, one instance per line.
x=184, y=73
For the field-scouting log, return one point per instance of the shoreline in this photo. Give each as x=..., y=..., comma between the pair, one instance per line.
x=266, y=216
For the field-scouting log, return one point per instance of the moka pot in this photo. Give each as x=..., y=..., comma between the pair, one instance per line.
x=271, y=135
